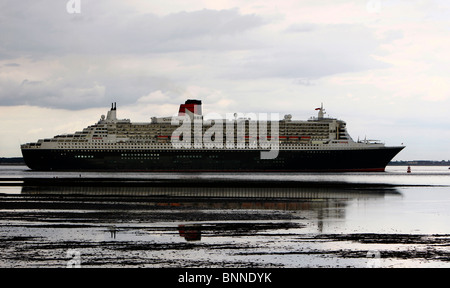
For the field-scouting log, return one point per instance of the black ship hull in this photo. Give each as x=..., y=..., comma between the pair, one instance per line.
x=160, y=160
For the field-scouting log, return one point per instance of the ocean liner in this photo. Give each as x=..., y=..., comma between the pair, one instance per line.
x=190, y=143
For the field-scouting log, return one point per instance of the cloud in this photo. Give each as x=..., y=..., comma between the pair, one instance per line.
x=119, y=54
x=11, y=65
x=312, y=51
x=77, y=61
x=154, y=97
x=44, y=28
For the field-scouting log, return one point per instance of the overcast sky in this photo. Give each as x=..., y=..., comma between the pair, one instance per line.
x=383, y=66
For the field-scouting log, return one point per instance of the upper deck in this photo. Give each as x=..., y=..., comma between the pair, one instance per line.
x=113, y=133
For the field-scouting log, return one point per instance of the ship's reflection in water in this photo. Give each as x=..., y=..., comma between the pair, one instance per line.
x=317, y=201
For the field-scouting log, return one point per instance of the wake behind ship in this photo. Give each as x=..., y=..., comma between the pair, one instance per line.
x=189, y=143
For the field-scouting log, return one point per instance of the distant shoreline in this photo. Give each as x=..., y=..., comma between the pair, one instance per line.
x=11, y=161
x=19, y=161
x=420, y=163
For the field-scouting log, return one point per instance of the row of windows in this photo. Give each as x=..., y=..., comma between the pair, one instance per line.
x=189, y=156
x=140, y=158
x=166, y=146
x=140, y=155
x=84, y=156
x=171, y=128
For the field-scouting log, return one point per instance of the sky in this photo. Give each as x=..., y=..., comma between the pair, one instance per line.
x=383, y=66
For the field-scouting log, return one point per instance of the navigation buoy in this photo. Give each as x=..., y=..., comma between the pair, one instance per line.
x=408, y=170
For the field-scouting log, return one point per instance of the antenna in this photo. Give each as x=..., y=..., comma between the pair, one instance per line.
x=321, y=111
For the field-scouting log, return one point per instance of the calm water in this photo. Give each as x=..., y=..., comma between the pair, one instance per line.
x=395, y=175
x=283, y=219
x=418, y=202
